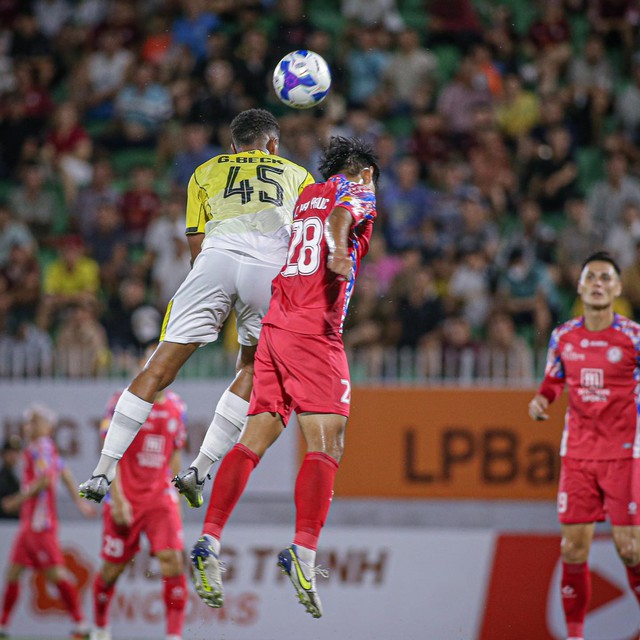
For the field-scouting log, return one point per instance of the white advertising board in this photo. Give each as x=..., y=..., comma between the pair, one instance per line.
x=80, y=405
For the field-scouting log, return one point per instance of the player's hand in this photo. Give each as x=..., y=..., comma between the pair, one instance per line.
x=86, y=509
x=340, y=262
x=538, y=408
x=122, y=513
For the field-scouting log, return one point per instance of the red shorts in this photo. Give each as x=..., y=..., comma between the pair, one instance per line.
x=301, y=373
x=590, y=490
x=160, y=523
x=38, y=550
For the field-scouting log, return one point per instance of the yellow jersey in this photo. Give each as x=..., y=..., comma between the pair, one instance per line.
x=244, y=202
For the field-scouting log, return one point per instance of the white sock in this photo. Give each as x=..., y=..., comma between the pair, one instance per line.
x=223, y=432
x=215, y=543
x=129, y=415
x=306, y=555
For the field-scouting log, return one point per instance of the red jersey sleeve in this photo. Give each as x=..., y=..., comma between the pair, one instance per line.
x=358, y=200
x=554, y=374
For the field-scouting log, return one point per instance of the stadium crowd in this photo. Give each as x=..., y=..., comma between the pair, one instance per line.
x=508, y=134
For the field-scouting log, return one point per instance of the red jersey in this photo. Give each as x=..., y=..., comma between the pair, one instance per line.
x=602, y=372
x=145, y=464
x=41, y=458
x=306, y=296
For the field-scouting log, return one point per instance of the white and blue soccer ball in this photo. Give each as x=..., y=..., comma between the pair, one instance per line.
x=302, y=79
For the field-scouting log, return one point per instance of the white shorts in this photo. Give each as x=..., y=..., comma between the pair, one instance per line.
x=219, y=281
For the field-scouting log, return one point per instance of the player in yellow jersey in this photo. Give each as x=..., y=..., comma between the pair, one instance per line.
x=239, y=214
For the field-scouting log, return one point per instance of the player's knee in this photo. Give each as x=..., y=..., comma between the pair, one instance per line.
x=170, y=562
x=629, y=552
x=574, y=551
x=111, y=572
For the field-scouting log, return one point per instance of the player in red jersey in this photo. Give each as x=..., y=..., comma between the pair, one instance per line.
x=597, y=356
x=301, y=366
x=150, y=462
x=36, y=544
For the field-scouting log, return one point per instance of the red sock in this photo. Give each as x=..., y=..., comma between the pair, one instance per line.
x=175, y=602
x=231, y=479
x=576, y=593
x=102, y=594
x=633, y=574
x=313, y=493
x=11, y=593
x=69, y=594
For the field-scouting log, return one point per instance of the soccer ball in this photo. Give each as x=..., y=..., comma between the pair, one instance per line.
x=302, y=79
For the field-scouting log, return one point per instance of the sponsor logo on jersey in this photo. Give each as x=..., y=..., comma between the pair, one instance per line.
x=585, y=342
x=614, y=354
x=569, y=354
x=633, y=508
x=592, y=378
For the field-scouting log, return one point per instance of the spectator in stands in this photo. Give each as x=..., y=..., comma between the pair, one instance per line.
x=381, y=266
x=410, y=66
x=505, y=357
x=577, y=239
x=475, y=231
x=552, y=177
x=528, y=295
x=221, y=98
x=9, y=481
x=591, y=80
x=459, y=99
x=90, y=198
x=429, y=142
x=51, y=16
x=453, y=22
x=628, y=104
x=492, y=169
x=622, y=237
x=549, y=43
x=97, y=82
x=21, y=281
x=469, y=288
x=503, y=39
x=32, y=203
x=616, y=21
x=193, y=28
x=377, y=13
x=26, y=351
x=71, y=278
x=12, y=232
x=68, y=150
x=518, y=110
x=81, y=343
x=403, y=205
x=292, y=27
x=140, y=108
x=107, y=245
x=631, y=282
x=419, y=308
x=171, y=268
x=609, y=196
x=454, y=354
x=305, y=150
x=486, y=68
x=159, y=237
x=140, y=204
x=131, y=322
x=253, y=65
x=366, y=64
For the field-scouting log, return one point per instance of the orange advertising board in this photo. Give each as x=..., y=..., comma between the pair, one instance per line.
x=449, y=443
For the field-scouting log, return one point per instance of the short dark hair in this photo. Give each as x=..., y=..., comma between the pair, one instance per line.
x=348, y=155
x=602, y=256
x=249, y=126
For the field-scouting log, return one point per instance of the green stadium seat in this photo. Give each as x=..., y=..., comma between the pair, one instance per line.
x=124, y=161
x=448, y=61
x=590, y=167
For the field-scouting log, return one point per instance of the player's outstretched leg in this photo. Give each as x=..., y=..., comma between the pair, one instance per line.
x=95, y=488
x=190, y=486
x=206, y=572
x=303, y=579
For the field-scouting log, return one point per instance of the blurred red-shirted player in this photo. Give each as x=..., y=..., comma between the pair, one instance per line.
x=36, y=545
x=301, y=366
x=597, y=356
x=143, y=500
